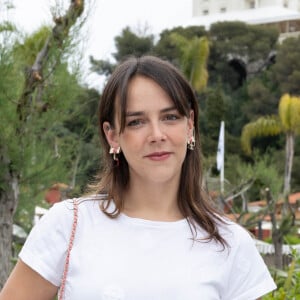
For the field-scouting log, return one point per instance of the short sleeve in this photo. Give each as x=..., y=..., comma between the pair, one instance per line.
x=249, y=278
x=45, y=248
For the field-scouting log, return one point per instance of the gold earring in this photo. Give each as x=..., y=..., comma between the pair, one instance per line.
x=115, y=153
x=192, y=141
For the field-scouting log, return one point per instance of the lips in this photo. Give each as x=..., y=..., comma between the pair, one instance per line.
x=158, y=156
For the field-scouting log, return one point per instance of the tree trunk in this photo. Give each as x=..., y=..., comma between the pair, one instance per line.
x=277, y=235
x=245, y=203
x=289, y=155
x=278, y=243
x=8, y=203
x=8, y=178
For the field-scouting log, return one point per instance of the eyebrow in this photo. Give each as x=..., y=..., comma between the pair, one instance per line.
x=140, y=113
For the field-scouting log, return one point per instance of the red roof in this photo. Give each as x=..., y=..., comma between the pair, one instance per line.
x=293, y=198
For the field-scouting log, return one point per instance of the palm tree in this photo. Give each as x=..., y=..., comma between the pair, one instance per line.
x=287, y=122
x=193, y=59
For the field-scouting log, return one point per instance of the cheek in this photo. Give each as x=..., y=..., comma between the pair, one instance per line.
x=180, y=137
x=182, y=140
x=130, y=142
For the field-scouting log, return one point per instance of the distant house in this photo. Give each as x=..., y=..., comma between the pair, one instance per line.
x=285, y=14
x=56, y=193
x=264, y=228
x=256, y=206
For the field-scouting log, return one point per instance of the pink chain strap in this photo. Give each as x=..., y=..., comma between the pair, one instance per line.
x=66, y=266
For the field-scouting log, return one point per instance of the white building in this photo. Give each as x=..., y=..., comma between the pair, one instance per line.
x=284, y=13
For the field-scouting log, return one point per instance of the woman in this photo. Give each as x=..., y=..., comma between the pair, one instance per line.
x=151, y=232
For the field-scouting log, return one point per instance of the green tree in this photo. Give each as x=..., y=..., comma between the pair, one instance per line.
x=127, y=44
x=165, y=46
x=254, y=42
x=9, y=77
x=288, y=281
x=287, y=122
x=26, y=113
x=193, y=59
x=130, y=43
x=214, y=111
x=239, y=50
x=287, y=66
x=261, y=100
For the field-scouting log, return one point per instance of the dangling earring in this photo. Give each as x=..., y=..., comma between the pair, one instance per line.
x=115, y=153
x=191, y=142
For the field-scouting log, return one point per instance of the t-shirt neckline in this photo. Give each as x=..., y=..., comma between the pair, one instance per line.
x=151, y=223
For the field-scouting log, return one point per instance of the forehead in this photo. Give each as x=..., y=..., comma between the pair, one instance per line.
x=145, y=92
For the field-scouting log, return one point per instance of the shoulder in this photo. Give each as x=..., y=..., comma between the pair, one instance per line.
x=235, y=235
x=249, y=276
x=45, y=248
x=84, y=204
x=241, y=245
x=60, y=216
x=90, y=204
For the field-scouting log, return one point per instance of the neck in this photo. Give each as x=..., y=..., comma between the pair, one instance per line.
x=157, y=202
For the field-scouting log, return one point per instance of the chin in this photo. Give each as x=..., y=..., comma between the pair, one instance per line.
x=162, y=178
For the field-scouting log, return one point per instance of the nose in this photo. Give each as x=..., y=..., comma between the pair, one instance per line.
x=156, y=133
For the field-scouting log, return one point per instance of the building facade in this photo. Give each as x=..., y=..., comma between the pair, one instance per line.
x=285, y=14
x=209, y=7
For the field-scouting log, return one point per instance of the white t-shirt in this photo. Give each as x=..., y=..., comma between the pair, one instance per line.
x=134, y=259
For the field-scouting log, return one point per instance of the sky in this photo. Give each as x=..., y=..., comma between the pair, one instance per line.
x=107, y=20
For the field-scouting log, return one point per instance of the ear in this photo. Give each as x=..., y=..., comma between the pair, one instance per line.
x=111, y=135
x=191, y=122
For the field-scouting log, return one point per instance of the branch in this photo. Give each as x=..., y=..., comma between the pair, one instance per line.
x=241, y=189
x=34, y=74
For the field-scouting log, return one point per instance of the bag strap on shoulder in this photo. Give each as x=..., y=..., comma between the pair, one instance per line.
x=70, y=246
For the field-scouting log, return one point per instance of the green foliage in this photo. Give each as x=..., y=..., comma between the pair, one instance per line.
x=58, y=143
x=83, y=124
x=287, y=122
x=214, y=111
x=292, y=239
x=287, y=66
x=295, y=173
x=238, y=38
x=102, y=67
x=7, y=26
x=261, y=100
x=264, y=126
x=289, y=113
x=11, y=82
x=193, y=59
x=254, y=177
x=130, y=43
x=127, y=44
x=236, y=45
x=234, y=116
x=166, y=48
x=264, y=173
x=30, y=45
x=62, y=146
x=288, y=281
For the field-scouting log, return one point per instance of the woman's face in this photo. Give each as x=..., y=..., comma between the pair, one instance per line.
x=154, y=141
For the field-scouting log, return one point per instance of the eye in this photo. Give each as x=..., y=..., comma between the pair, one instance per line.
x=171, y=117
x=135, y=123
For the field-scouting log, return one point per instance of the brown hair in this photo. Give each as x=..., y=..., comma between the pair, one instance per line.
x=193, y=200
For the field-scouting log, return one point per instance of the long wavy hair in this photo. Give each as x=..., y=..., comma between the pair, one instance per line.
x=113, y=180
